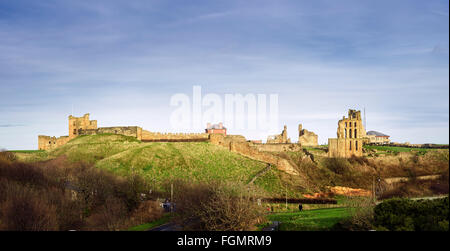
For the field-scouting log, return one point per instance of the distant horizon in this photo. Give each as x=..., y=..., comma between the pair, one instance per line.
x=123, y=61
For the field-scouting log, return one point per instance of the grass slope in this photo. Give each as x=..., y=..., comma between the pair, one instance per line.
x=161, y=161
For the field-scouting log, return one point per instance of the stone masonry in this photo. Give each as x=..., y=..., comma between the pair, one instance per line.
x=350, y=136
x=280, y=138
x=307, y=138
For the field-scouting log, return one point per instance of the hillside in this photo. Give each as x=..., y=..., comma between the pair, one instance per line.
x=159, y=162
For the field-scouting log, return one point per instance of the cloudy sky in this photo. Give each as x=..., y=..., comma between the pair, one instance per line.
x=121, y=61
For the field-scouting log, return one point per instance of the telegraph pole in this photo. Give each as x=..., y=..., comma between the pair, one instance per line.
x=285, y=187
x=171, y=197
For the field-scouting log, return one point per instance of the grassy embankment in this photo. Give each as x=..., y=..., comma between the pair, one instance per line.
x=161, y=162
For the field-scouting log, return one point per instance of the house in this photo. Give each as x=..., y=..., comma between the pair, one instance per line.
x=216, y=129
x=378, y=137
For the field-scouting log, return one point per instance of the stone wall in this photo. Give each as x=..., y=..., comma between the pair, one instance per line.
x=238, y=144
x=148, y=136
x=344, y=148
x=307, y=138
x=48, y=142
x=277, y=147
x=133, y=131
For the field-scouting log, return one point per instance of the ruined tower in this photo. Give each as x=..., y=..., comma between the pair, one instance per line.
x=307, y=138
x=350, y=136
x=78, y=124
x=280, y=138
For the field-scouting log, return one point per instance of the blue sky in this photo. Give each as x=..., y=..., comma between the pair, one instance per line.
x=121, y=61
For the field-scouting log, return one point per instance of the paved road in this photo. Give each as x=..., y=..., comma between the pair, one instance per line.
x=273, y=227
x=167, y=227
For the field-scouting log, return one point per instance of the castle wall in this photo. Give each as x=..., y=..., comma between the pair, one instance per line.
x=148, y=136
x=340, y=148
x=307, y=138
x=238, y=144
x=133, y=131
x=277, y=147
x=48, y=142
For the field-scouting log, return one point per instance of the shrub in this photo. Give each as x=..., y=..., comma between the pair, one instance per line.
x=26, y=210
x=216, y=206
x=405, y=214
x=147, y=211
x=58, y=195
x=361, y=215
x=337, y=165
x=110, y=215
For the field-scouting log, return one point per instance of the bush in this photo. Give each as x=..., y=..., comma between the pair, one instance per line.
x=25, y=209
x=58, y=195
x=361, y=215
x=337, y=165
x=409, y=215
x=216, y=207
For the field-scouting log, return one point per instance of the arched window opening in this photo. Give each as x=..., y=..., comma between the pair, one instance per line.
x=74, y=131
x=355, y=124
x=350, y=145
x=350, y=133
x=356, y=145
x=356, y=135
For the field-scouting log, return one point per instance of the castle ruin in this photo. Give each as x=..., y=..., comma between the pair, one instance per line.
x=279, y=138
x=84, y=126
x=350, y=137
x=307, y=138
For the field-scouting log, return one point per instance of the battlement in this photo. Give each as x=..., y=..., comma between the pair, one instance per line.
x=148, y=136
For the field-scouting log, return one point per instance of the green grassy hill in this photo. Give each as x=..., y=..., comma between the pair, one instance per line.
x=158, y=162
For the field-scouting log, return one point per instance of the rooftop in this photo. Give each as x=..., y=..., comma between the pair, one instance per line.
x=379, y=134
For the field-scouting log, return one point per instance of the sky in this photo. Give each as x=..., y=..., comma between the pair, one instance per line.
x=122, y=61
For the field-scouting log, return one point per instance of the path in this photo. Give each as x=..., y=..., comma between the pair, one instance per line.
x=262, y=172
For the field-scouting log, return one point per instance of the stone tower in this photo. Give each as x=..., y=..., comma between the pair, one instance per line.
x=350, y=136
x=78, y=124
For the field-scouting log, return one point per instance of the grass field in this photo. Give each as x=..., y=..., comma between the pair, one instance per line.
x=310, y=220
x=397, y=149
